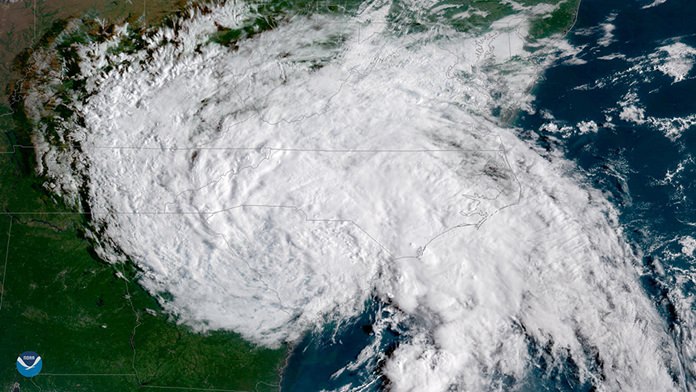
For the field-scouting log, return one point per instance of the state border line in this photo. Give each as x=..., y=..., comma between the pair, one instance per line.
x=7, y=256
x=279, y=149
x=166, y=387
x=125, y=375
x=215, y=212
x=87, y=374
x=190, y=388
x=419, y=251
x=212, y=213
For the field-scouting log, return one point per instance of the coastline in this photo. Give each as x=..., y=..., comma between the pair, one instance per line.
x=291, y=346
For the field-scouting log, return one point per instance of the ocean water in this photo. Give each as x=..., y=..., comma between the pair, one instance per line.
x=504, y=267
x=317, y=360
x=622, y=114
x=648, y=170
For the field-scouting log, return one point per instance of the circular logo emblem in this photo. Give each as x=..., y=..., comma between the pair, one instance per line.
x=29, y=364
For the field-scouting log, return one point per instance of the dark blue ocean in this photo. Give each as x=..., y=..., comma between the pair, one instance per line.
x=648, y=173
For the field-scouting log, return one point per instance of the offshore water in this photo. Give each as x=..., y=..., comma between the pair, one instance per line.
x=647, y=173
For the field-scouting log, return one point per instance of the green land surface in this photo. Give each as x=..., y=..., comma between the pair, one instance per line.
x=95, y=331
x=409, y=16
x=480, y=14
x=94, y=326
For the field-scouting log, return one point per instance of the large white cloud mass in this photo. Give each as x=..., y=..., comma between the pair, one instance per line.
x=277, y=185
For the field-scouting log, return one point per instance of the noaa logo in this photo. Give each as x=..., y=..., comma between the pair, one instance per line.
x=29, y=364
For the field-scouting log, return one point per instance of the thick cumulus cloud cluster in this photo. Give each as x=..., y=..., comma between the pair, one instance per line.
x=276, y=185
x=679, y=62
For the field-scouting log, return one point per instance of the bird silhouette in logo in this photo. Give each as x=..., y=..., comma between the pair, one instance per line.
x=27, y=367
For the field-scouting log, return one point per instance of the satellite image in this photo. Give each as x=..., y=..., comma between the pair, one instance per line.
x=349, y=196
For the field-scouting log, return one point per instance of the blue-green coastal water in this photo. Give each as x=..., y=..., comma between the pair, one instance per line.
x=644, y=162
x=302, y=159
